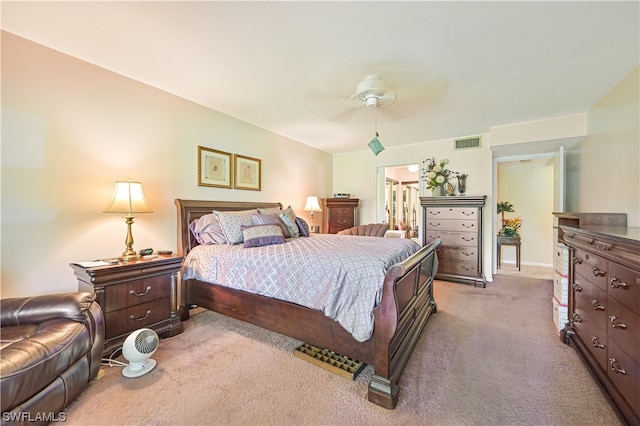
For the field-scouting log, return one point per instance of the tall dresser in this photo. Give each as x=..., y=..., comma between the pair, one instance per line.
x=457, y=221
x=339, y=214
x=604, y=310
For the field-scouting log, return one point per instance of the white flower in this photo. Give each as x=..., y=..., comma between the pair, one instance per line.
x=440, y=179
x=437, y=169
x=444, y=162
x=431, y=175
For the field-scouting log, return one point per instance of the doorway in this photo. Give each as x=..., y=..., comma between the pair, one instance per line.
x=528, y=184
x=402, y=199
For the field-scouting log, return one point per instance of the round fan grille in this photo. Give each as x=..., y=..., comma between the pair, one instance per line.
x=146, y=342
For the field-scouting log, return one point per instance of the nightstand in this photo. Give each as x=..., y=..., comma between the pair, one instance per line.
x=137, y=294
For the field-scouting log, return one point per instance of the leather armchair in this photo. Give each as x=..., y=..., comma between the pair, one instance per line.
x=369, y=230
x=50, y=349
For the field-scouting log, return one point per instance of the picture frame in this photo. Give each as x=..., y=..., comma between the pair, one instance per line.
x=215, y=168
x=248, y=173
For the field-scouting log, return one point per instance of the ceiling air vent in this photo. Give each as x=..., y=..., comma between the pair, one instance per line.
x=467, y=143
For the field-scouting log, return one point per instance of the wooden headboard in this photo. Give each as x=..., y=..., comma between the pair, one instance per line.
x=190, y=210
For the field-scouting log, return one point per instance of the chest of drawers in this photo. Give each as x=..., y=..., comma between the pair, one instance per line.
x=134, y=295
x=339, y=214
x=604, y=310
x=457, y=221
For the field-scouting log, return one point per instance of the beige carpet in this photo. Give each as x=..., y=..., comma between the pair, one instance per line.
x=488, y=357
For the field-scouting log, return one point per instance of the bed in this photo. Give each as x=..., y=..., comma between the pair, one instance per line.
x=405, y=304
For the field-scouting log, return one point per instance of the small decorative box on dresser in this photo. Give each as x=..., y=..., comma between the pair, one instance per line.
x=133, y=295
x=604, y=310
x=339, y=214
x=457, y=221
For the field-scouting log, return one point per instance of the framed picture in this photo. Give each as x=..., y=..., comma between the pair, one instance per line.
x=214, y=168
x=248, y=173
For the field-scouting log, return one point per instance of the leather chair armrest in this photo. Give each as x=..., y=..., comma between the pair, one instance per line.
x=37, y=309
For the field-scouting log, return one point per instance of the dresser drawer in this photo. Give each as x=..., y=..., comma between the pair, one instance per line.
x=624, y=328
x=624, y=285
x=625, y=375
x=591, y=301
x=450, y=238
x=457, y=267
x=135, y=292
x=452, y=213
x=593, y=335
x=452, y=225
x=458, y=253
x=143, y=315
x=592, y=267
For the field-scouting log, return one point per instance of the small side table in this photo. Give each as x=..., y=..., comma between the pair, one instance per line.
x=509, y=241
x=136, y=294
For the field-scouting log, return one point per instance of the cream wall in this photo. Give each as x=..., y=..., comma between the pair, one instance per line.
x=70, y=129
x=604, y=170
x=529, y=188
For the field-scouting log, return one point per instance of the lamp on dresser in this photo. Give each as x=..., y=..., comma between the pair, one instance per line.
x=128, y=199
x=313, y=206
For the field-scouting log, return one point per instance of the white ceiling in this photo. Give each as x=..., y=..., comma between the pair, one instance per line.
x=458, y=67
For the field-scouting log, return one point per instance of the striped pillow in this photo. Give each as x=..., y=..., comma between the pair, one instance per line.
x=262, y=235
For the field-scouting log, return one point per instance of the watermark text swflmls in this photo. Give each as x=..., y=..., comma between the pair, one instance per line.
x=28, y=417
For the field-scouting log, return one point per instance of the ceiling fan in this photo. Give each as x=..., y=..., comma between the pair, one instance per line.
x=373, y=93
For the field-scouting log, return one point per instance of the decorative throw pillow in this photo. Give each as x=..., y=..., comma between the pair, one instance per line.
x=262, y=235
x=231, y=223
x=289, y=212
x=207, y=230
x=270, y=210
x=270, y=219
x=290, y=225
x=303, y=227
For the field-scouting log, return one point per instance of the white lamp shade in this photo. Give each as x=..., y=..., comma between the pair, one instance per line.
x=312, y=205
x=128, y=198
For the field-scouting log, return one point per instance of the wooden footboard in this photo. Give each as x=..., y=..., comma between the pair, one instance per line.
x=407, y=302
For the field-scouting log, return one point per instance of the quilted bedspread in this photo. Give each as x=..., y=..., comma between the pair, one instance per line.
x=340, y=275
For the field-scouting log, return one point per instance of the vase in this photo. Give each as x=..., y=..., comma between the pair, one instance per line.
x=437, y=191
x=462, y=184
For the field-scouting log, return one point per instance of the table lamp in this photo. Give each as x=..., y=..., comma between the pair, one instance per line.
x=313, y=206
x=128, y=199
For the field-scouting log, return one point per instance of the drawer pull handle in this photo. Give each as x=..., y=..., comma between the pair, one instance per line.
x=141, y=318
x=468, y=239
x=615, y=323
x=577, y=288
x=575, y=318
x=434, y=224
x=569, y=236
x=590, y=242
x=468, y=226
x=468, y=214
x=596, y=307
x=596, y=344
x=140, y=294
x=598, y=272
x=577, y=261
x=615, y=283
x=614, y=367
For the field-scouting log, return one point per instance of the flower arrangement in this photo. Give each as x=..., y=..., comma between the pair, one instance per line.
x=435, y=173
x=510, y=227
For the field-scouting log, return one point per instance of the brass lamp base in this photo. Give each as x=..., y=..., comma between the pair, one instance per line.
x=129, y=254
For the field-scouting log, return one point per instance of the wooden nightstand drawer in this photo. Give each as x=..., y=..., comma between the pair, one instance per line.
x=136, y=292
x=134, y=317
